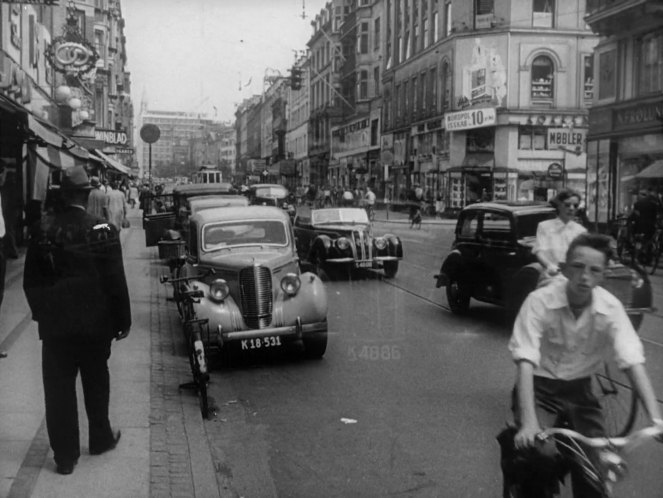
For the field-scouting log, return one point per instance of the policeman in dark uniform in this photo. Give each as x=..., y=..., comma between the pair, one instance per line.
x=75, y=285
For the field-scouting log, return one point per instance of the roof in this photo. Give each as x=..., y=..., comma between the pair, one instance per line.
x=240, y=213
x=204, y=189
x=516, y=207
x=235, y=200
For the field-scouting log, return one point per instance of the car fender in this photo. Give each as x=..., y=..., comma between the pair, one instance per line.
x=321, y=244
x=452, y=264
x=524, y=281
x=395, y=245
x=309, y=304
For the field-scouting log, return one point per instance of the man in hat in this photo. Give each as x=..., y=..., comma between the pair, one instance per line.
x=97, y=204
x=75, y=285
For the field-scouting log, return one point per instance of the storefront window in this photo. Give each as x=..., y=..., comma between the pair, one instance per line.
x=598, y=191
x=588, y=82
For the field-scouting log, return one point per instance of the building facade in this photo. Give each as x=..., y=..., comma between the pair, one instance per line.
x=297, y=126
x=625, y=143
x=486, y=99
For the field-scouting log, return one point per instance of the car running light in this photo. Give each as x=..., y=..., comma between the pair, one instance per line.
x=636, y=280
x=219, y=290
x=342, y=243
x=380, y=243
x=290, y=284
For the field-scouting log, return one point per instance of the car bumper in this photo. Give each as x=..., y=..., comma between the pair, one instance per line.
x=363, y=263
x=294, y=332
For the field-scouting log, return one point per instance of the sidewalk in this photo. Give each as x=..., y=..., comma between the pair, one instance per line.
x=162, y=430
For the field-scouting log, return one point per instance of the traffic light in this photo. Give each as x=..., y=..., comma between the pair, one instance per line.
x=296, y=78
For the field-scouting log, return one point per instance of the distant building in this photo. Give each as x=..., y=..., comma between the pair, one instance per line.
x=297, y=131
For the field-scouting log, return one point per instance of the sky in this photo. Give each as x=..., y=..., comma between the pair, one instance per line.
x=193, y=55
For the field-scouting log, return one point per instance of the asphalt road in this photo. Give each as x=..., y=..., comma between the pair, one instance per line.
x=406, y=402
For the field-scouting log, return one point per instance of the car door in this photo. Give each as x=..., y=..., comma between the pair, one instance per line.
x=159, y=217
x=500, y=257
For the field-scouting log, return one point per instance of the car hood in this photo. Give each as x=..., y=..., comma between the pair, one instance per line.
x=341, y=228
x=236, y=259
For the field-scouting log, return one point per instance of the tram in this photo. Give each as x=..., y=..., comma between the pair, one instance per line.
x=207, y=174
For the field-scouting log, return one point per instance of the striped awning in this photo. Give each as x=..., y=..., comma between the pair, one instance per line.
x=116, y=165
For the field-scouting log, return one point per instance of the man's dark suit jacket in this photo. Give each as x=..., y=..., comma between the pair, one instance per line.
x=74, y=278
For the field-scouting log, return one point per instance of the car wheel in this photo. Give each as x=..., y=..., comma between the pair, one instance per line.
x=458, y=297
x=315, y=344
x=390, y=269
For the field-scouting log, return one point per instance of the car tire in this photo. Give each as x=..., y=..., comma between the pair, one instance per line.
x=319, y=268
x=315, y=345
x=458, y=296
x=390, y=269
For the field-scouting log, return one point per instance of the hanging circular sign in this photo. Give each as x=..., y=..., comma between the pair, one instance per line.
x=150, y=133
x=555, y=170
x=71, y=56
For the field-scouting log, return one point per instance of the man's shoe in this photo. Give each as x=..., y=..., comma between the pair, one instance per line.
x=111, y=446
x=65, y=468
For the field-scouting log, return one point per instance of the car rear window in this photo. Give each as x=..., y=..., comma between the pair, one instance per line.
x=497, y=227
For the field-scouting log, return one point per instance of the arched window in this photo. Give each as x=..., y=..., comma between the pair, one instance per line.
x=542, y=79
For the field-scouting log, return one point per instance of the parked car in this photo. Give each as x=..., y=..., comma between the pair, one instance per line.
x=272, y=194
x=340, y=240
x=173, y=208
x=244, y=263
x=491, y=260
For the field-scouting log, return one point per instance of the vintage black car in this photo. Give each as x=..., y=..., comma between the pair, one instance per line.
x=173, y=208
x=491, y=260
x=272, y=194
x=337, y=241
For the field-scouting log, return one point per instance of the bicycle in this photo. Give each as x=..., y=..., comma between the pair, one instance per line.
x=195, y=330
x=599, y=459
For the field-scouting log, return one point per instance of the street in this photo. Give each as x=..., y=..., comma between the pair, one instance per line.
x=406, y=401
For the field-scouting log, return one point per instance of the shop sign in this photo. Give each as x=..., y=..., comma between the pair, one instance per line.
x=471, y=118
x=111, y=137
x=555, y=170
x=565, y=137
x=641, y=115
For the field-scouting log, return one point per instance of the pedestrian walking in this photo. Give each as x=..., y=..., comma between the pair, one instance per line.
x=97, y=204
x=76, y=288
x=133, y=195
x=117, y=207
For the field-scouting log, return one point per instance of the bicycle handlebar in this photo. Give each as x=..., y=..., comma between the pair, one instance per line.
x=632, y=440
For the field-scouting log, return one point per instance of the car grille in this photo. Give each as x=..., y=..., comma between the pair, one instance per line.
x=363, y=245
x=255, y=285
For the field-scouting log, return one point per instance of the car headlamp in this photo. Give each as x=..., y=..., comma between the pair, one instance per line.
x=380, y=243
x=290, y=284
x=219, y=290
x=342, y=243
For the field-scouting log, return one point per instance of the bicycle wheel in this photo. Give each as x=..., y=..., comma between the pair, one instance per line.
x=618, y=400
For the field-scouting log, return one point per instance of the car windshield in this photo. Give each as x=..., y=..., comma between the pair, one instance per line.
x=333, y=216
x=528, y=223
x=274, y=191
x=242, y=233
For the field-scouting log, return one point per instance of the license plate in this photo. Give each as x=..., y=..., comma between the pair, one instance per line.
x=365, y=264
x=261, y=343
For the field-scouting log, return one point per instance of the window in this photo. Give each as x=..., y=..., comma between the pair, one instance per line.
x=423, y=95
x=415, y=94
x=483, y=13
x=362, y=85
x=376, y=81
x=542, y=79
x=480, y=140
x=543, y=13
x=446, y=86
x=406, y=98
x=447, y=21
x=532, y=137
x=607, y=74
x=588, y=79
x=376, y=34
x=397, y=98
x=650, y=54
x=432, y=85
x=415, y=39
x=374, y=132
x=406, y=46
x=362, y=42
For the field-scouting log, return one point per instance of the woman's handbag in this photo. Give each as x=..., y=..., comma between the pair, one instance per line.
x=125, y=223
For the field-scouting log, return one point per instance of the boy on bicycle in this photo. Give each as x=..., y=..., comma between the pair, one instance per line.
x=562, y=335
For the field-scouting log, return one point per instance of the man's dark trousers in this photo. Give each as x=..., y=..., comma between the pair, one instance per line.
x=61, y=362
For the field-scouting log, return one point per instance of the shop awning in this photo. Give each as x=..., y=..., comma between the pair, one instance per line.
x=654, y=170
x=485, y=159
x=116, y=165
x=49, y=136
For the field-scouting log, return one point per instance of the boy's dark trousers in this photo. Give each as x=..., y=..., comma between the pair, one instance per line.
x=558, y=403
